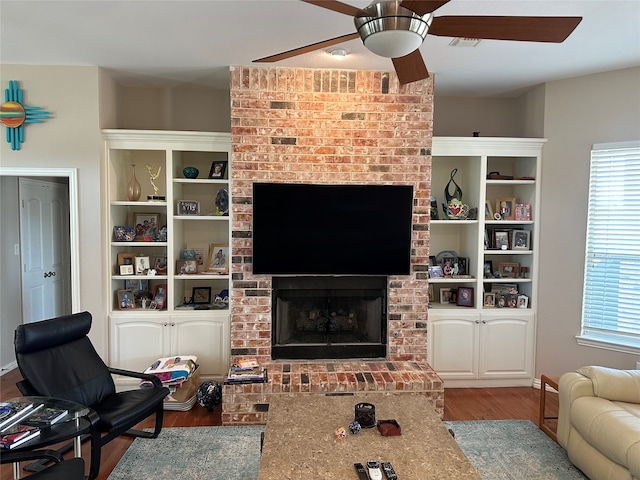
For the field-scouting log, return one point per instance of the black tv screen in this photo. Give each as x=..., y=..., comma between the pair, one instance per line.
x=307, y=229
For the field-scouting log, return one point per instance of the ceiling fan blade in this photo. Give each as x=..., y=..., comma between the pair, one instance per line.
x=528, y=29
x=410, y=67
x=339, y=7
x=423, y=7
x=308, y=48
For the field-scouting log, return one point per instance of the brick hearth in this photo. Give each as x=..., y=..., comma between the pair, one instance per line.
x=248, y=404
x=328, y=127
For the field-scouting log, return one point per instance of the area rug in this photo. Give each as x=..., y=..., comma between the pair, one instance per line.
x=512, y=450
x=193, y=453
x=498, y=449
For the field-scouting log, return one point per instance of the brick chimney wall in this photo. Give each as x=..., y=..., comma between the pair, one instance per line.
x=298, y=125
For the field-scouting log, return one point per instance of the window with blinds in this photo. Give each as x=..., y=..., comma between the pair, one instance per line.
x=611, y=294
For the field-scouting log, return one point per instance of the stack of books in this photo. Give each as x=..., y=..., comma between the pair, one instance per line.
x=246, y=371
x=22, y=421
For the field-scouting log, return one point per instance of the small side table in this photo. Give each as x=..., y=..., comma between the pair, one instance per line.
x=553, y=383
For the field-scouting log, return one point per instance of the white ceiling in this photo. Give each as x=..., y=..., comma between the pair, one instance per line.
x=176, y=42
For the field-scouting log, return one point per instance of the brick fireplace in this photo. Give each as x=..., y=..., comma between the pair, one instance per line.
x=329, y=127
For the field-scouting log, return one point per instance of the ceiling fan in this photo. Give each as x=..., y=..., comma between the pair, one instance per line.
x=395, y=29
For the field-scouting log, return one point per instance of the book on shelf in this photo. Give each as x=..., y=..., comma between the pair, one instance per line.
x=17, y=435
x=45, y=417
x=13, y=412
x=246, y=375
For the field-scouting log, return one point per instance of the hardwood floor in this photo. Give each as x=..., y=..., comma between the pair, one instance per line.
x=460, y=404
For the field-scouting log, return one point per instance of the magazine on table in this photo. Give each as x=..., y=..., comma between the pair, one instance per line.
x=45, y=417
x=13, y=412
x=17, y=435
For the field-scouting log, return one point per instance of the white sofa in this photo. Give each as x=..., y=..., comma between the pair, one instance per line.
x=599, y=422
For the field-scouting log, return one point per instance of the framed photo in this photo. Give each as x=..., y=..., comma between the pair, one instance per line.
x=126, y=299
x=449, y=266
x=160, y=296
x=186, y=266
x=523, y=212
x=506, y=207
x=146, y=225
x=464, y=297
x=523, y=301
x=488, y=211
x=521, y=239
x=138, y=285
x=218, y=258
x=489, y=299
x=447, y=295
x=487, y=269
x=501, y=239
x=142, y=265
x=432, y=260
x=218, y=169
x=126, y=270
x=435, y=271
x=188, y=207
x=432, y=294
x=126, y=258
x=201, y=295
x=159, y=263
x=508, y=269
x=123, y=233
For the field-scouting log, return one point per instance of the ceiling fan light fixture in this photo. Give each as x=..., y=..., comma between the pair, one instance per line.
x=392, y=31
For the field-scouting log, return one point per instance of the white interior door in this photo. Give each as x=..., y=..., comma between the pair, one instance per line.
x=45, y=250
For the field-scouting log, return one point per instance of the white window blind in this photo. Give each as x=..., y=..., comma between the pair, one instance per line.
x=611, y=294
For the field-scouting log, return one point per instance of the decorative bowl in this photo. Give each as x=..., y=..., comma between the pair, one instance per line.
x=190, y=172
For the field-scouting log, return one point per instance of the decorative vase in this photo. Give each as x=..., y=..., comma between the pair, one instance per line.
x=133, y=188
x=457, y=193
x=190, y=172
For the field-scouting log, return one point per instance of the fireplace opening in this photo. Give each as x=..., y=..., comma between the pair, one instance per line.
x=329, y=317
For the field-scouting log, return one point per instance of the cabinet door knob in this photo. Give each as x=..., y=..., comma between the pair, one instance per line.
x=484, y=321
x=165, y=324
x=173, y=324
x=477, y=321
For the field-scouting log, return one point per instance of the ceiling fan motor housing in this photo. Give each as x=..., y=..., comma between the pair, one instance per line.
x=391, y=30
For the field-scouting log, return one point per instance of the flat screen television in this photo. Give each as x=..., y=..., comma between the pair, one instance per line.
x=302, y=229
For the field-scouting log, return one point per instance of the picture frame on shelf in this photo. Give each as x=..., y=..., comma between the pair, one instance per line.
x=186, y=266
x=506, y=208
x=501, y=239
x=523, y=301
x=521, y=240
x=432, y=260
x=435, y=271
x=126, y=299
x=447, y=295
x=126, y=258
x=489, y=299
x=508, y=269
x=146, y=226
x=487, y=269
x=523, y=212
x=142, y=265
x=432, y=294
x=464, y=297
x=201, y=295
x=159, y=263
x=188, y=207
x=218, y=169
x=488, y=211
x=126, y=270
x=124, y=233
x=137, y=285
x=160, y=296
x=218, y=260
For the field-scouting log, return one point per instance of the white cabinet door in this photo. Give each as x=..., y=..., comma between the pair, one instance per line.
x=207, y=337
x=137, y=341
x=506, y=344
x=453, y=344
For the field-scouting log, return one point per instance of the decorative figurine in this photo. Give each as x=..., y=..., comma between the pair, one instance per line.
x=152, y=177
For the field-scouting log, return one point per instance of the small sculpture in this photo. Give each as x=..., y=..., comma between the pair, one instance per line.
x=152, y=177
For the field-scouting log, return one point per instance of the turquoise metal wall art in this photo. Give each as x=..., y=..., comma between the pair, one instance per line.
x=14, y=115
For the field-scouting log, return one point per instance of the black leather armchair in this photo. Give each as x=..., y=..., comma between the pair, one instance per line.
x=56, y=359
x=71, y=469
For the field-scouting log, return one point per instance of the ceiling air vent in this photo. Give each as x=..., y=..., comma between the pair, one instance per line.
x=464, y=42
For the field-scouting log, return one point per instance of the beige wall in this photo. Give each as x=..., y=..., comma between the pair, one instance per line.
x=578, y=113
x=70, y=139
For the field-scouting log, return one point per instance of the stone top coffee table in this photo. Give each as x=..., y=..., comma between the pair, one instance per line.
x=300, y=441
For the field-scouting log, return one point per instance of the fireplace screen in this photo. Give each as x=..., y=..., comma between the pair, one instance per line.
x=329, y=317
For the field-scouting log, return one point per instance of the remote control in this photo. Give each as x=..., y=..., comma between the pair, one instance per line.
x=389, y=471
x=374, y=470
x=362, y=474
